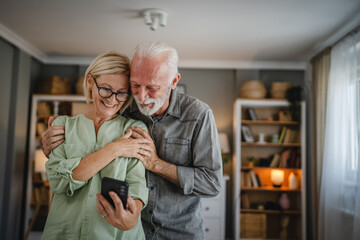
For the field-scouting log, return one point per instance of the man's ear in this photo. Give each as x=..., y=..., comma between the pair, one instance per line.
x=175, y=81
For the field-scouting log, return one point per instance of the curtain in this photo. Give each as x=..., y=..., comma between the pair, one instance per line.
x=339, y=206
x=320, y=79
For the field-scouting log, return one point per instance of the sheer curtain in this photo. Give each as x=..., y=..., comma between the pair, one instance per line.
x=339, y=207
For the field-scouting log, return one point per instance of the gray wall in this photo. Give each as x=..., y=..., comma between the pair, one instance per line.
x=214, y=87
x=217, y=89
x=14, y=96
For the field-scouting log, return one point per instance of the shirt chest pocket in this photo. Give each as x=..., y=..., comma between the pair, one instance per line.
x=178, y=151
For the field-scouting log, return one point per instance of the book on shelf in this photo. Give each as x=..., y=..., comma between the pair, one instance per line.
x=242, y=180
x=254, y=182
x=294, y=136
x=275, y=160
x=284, y=158
x=258, y=180
x=252, y=114
x=287, y=135
x=246, y=179
x=291, y=136
x=282, y=134
x=292, y=159
x=288, y=158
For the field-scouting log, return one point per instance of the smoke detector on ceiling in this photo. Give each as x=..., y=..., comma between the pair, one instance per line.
x=155, y=17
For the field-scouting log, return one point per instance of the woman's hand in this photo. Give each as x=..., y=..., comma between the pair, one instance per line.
x=52, y=137
x=123, y=219
x=126, y=146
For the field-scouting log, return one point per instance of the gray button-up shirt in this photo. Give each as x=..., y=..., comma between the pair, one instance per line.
x=186, y=136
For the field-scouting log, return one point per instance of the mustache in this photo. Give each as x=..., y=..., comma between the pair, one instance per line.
x=147, y=101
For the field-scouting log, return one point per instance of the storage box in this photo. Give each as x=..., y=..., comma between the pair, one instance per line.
x=285, y=115
x=253, y=225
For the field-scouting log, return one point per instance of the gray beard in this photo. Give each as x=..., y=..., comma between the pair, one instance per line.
x=158, y=103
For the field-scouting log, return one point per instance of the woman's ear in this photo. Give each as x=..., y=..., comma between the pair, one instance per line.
x=175, y=81
x=89, y=81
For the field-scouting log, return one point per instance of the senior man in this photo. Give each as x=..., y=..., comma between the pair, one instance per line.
x=186, y=162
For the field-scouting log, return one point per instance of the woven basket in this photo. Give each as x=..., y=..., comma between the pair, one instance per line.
x=55, y=85
x=278, y=89
x=79, y=85
x=253, y=89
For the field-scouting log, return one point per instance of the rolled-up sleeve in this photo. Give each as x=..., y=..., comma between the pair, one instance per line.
x=204, y=177
x=135, y=177
x=59, y=167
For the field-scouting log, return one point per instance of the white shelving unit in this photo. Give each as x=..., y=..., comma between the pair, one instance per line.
x=35, y=142
x=239, y=163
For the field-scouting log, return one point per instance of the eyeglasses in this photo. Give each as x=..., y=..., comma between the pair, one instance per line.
x=107, y=93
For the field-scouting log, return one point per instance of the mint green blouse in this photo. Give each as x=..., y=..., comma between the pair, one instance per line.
x=73, y=213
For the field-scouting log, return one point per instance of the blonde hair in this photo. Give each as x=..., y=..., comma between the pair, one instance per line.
x=108, y=63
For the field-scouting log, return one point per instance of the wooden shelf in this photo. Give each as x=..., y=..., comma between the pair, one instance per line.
x=265, y=122
x=255, y=144
x=292, y=212
x=270, y=168
x=43, y=116
x=270, y=189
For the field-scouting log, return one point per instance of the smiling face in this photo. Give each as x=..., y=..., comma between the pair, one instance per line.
x=107, y=108
x=151, y=84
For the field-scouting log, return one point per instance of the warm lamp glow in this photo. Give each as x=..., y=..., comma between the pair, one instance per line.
x=40, y=160
x=224, y=143
x=277, y=177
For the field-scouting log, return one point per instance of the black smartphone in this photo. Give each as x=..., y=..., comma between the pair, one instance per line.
x=121, y=188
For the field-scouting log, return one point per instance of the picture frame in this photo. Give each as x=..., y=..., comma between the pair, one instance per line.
x=252, y=114
x=247, y=134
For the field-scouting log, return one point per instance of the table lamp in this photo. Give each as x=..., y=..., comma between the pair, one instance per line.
x=277, y=177
x=40, y=160
x=225, y=147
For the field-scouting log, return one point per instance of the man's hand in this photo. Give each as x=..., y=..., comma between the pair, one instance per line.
x=123, y=219
x=153, y=163
x=52, y=137
x=151, y=158
x=126, y=146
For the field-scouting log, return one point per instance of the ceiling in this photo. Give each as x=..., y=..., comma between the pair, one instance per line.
x=203, y=31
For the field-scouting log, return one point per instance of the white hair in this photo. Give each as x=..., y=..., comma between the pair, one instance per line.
x=153, y=49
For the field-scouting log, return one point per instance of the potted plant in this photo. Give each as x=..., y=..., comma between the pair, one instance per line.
x=293, y=95
x=250, y=161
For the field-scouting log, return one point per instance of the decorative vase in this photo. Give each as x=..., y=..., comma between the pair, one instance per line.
x=284, y=201
x=292, y=181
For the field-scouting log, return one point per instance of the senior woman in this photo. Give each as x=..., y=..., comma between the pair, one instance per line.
x=98, y=144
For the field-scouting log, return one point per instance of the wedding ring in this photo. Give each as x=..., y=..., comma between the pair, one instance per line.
x=141, y=146
x=104, y=215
